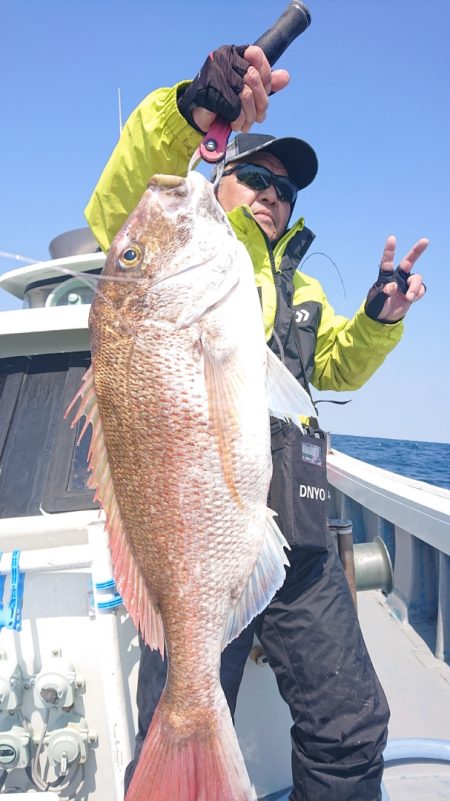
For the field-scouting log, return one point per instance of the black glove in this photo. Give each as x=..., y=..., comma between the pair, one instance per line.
x=217, y=86
x=376, y=297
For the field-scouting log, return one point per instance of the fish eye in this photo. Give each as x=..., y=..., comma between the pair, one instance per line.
x=130, y=257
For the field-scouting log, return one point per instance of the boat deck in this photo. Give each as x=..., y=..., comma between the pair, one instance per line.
x=418, y=689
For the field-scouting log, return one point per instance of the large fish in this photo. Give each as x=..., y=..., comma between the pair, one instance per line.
x=180, y=458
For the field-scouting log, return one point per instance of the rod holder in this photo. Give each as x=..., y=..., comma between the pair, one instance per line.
x=367, y=565
x=373, y=566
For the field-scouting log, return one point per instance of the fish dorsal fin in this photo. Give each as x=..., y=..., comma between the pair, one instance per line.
x=286, y=397
x=267, y=577
x=129, y=580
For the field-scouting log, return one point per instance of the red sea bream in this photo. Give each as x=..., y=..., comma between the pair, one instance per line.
x=180, y=458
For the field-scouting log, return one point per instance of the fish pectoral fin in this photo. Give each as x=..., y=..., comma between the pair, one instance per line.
x=286, y=397
x=223, y=386
x=266, y=578
x=129, y=580
x=215, y=294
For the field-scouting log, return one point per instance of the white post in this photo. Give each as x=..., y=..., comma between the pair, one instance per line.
x=111, y=667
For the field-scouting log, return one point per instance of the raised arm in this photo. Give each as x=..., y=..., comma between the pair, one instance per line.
x=162, y=133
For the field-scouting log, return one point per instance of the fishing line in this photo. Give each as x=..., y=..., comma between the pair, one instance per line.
x=88, y=277
x=195, y=160
x=17, y=257
x=280, y=345
x=320, y=253
x=130, y=279
x=93, y=278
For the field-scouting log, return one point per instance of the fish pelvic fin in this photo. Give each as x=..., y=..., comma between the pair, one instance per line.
x=204, y=765
x=286, y=397
x=129, y=580
x=222, y=386
x=267, y=577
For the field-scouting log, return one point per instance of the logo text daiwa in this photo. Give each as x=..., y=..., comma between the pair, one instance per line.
x=316, y=493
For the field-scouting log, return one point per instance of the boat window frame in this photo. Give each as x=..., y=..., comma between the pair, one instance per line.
x=41, y=435
x=57, y=497
x=9, y=394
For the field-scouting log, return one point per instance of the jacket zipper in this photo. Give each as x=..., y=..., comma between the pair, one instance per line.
x=275, y=274
x=276, y=281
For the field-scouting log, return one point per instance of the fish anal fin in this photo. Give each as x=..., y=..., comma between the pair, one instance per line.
x=129, y=580
x=266, y=578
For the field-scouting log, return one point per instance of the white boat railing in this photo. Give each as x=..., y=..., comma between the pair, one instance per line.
x=413, y=519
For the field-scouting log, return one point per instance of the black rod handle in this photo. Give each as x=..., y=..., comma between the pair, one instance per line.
x=294, y=20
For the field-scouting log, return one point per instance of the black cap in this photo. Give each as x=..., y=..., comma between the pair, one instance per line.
x=296, y=155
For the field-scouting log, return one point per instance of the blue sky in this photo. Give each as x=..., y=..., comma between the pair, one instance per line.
x=369, y=89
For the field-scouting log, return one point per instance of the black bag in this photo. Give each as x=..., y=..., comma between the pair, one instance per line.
x=298, y=491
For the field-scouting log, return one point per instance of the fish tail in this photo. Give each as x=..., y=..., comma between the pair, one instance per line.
x=206, y=765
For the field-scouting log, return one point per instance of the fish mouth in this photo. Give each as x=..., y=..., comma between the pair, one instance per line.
x=168, y=183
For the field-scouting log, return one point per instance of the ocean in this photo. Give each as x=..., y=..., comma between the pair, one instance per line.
x=425, y=461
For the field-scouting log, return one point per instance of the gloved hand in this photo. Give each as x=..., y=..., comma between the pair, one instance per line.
x=394, y=291
x=234, y=83
x=218, y=85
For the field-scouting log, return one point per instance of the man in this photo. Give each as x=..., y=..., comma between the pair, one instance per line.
x=309, y=631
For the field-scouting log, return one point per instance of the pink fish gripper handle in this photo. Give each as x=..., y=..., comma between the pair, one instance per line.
x=214, y=143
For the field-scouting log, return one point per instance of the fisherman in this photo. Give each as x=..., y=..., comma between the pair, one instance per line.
x=309, y=631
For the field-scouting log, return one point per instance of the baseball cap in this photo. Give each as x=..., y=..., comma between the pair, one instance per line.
x=296, y=155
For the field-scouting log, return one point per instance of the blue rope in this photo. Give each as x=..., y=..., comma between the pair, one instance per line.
x=116, y=601
x=11, y=618
x=112, y=603
x=105, y=585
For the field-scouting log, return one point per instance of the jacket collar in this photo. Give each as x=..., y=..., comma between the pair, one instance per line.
x=244, y=222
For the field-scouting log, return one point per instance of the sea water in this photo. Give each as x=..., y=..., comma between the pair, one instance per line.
x=425, y=461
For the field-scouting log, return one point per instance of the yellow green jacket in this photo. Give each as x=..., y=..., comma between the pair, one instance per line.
x=331, y=351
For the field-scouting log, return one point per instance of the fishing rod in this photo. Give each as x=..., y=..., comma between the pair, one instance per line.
x=294, y=20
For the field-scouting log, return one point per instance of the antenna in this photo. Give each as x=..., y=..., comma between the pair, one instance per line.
x=119, y=100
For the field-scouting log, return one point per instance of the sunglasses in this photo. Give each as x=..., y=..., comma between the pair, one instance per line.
x=258, y=178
